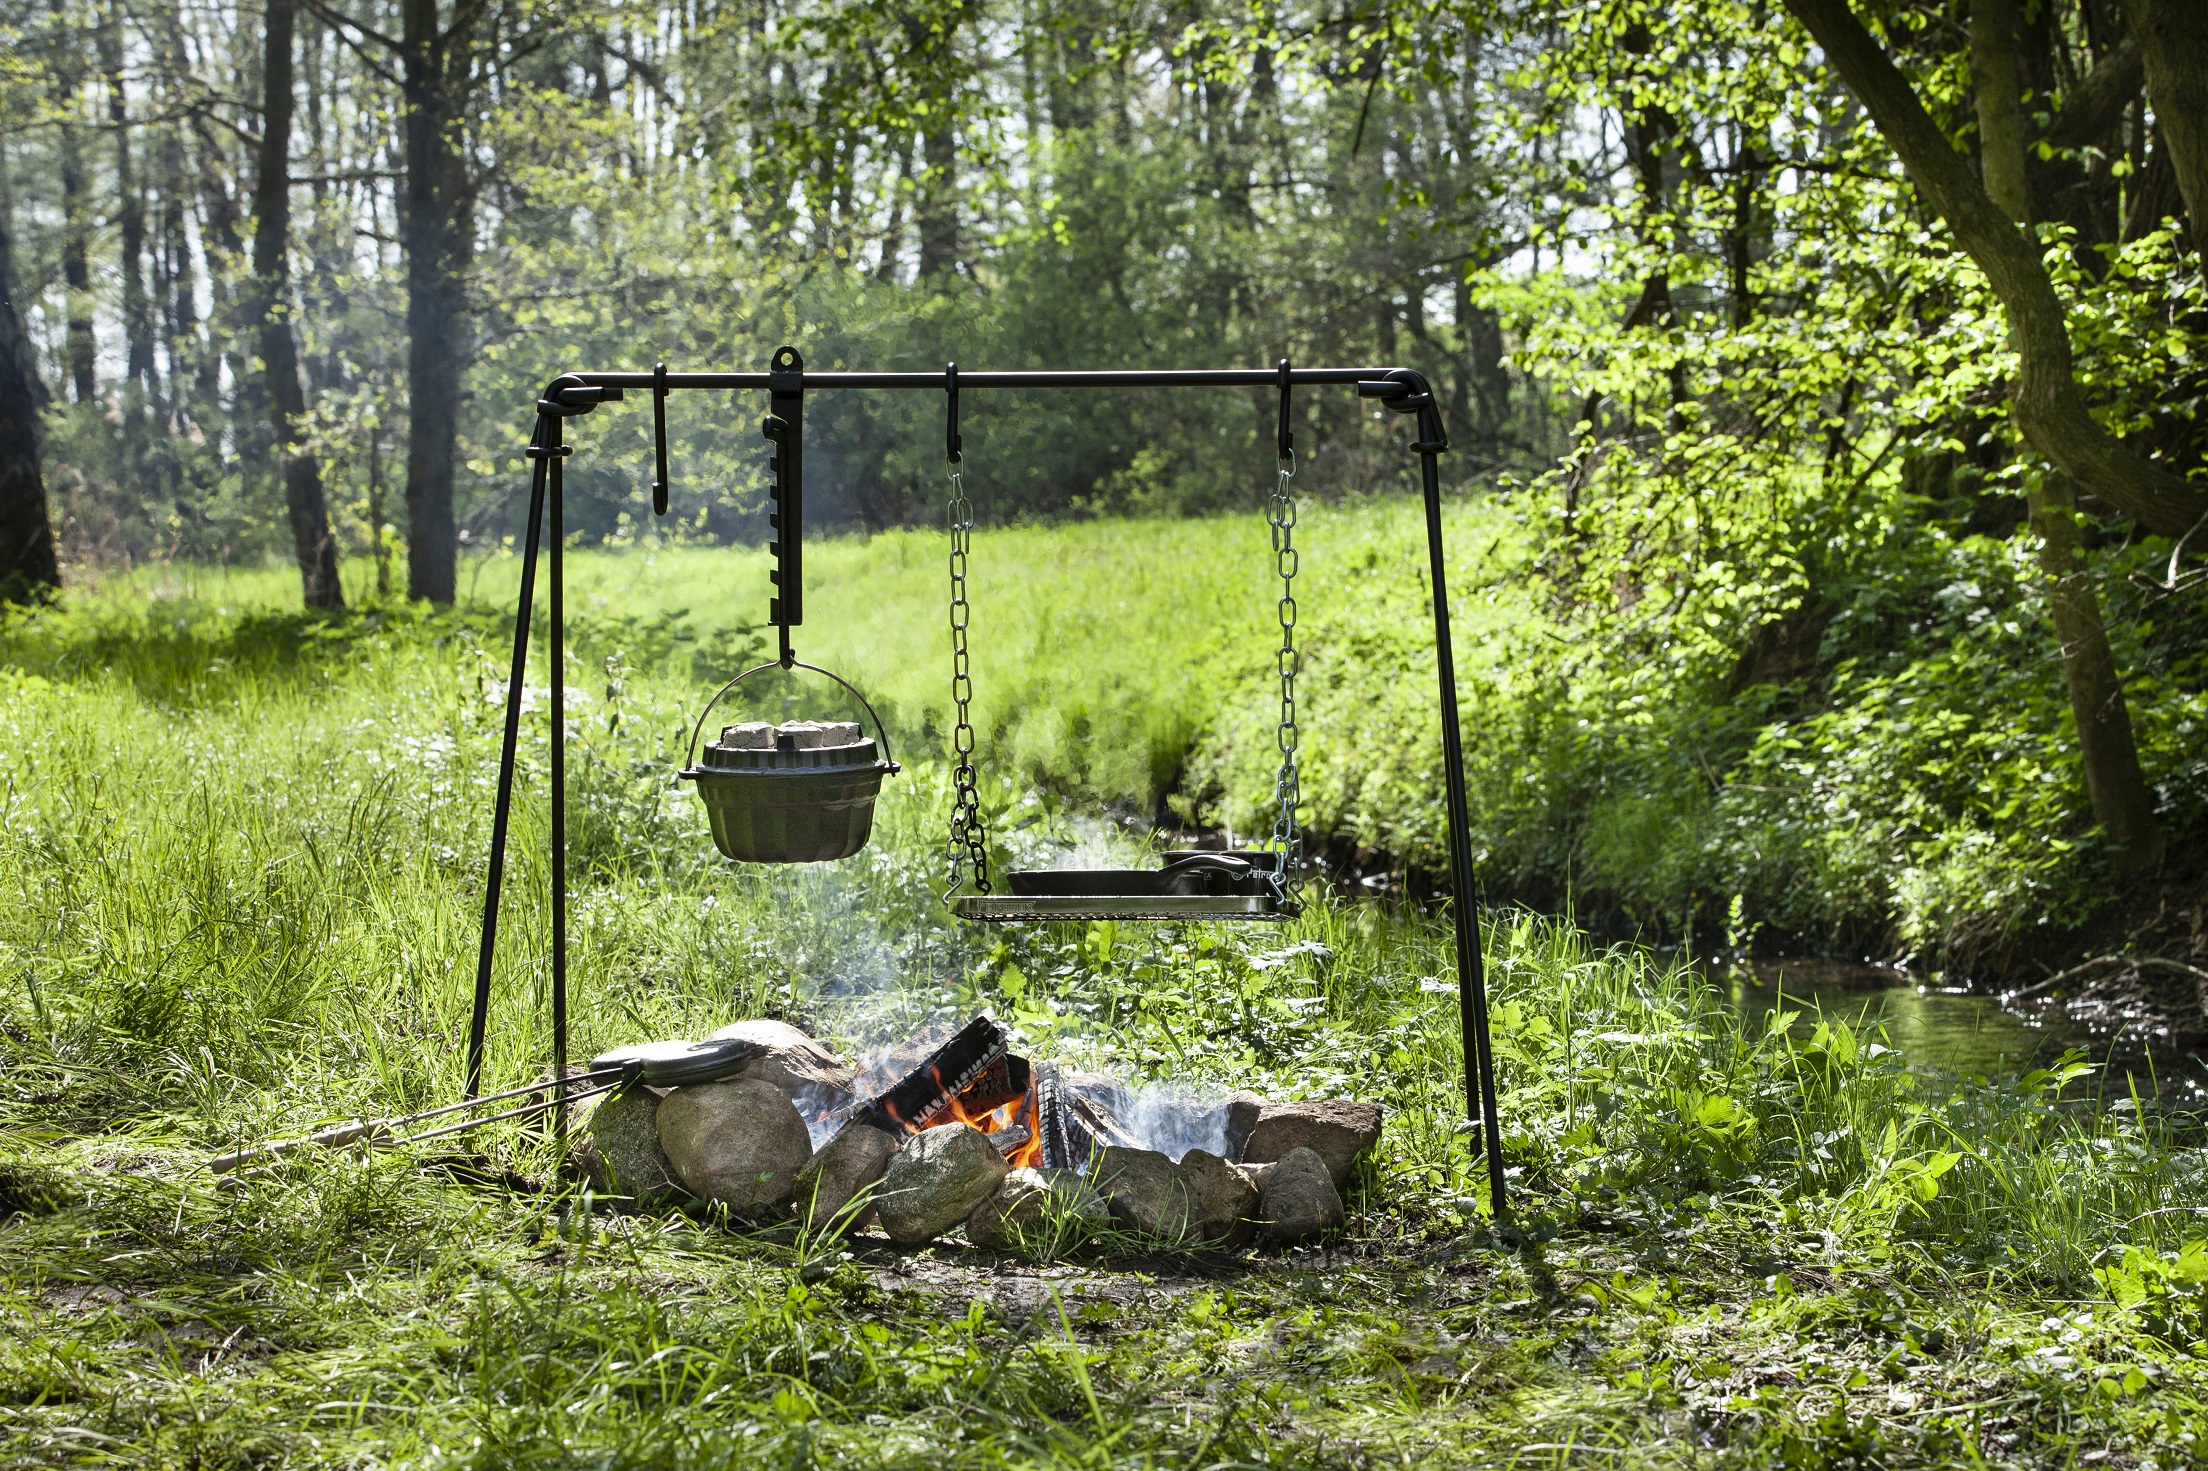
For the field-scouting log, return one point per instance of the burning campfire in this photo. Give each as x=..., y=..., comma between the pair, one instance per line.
x=1028, y=1110
x=972, y=1134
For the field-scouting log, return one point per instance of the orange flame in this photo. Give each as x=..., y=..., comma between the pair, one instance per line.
x=1018, y=1113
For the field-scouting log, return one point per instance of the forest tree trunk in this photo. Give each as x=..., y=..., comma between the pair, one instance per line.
x=179, y=313
x=939, y=200
x=437, y=225
x=130, y=221
x=933, y=41
x=76, y=264
x=2173, y=37
x=2122, y=803
x=139, y=387
x=220, y=212
x=287, y=403
x=2049, y=409
x=2000, y=111
x=28, y=569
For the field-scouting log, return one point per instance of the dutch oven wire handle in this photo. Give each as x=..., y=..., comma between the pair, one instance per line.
x=881, y=731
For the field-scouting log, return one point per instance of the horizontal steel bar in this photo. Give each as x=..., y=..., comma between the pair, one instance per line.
x=1111, y=378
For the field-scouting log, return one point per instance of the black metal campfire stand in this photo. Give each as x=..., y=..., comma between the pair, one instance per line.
x=787, y=383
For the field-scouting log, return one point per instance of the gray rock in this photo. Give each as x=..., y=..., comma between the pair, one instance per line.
x=740, y=1142
x=1027, y=1201
x=1142, y=1189
x=806, y=1072
x=1336, y=1130
x=846, y=1165
x=1243, y=1110
x=1298, y=1201
x=616, y=1147
x=937, y=1180
x=1077, y=1196
x=1222, y=1203
x=1020, y=1206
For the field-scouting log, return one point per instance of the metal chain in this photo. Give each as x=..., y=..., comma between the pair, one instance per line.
x=969, y=841
x=1280, y=512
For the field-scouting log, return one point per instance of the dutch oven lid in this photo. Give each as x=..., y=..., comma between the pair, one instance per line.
x=670, y=1064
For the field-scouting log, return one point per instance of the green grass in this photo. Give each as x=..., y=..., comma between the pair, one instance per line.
x=1920, y=794
x=1107, y=656
x=240, y=854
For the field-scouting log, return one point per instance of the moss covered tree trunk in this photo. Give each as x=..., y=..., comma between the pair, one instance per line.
x=2122, y=804
x=2174, y=44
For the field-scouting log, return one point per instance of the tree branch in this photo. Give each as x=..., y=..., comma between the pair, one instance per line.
x=2096, y=104
x=340, y=23
x=2049, y=409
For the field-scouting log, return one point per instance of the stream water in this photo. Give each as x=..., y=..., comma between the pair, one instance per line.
x=1954, y=1030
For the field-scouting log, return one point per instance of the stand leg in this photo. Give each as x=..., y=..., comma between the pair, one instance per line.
x=558, y=658
x=503, y=810
x=1479, y=1060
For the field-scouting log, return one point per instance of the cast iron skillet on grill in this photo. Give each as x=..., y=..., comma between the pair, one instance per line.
x=1191, y=885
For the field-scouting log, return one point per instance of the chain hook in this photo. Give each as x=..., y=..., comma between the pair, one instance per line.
x=1280, y=514
x=659, y=439
x=967, y=847
x=953, y=444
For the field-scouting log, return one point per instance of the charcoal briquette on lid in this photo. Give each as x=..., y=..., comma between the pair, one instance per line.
x=817, y=735
x=751, y=735
x=793, y=735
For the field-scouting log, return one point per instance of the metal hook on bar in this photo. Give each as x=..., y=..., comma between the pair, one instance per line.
x=569, y=395
x=1407, y=392
x=785, y=430
x=1287, y=438
x=953, y=445
x=659, y=438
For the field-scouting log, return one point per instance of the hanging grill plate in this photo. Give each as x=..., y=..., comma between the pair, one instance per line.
x=1192, y=886
x=1016, y=908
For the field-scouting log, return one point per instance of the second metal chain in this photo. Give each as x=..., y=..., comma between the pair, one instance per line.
x=969, y=842
x=1280, y=512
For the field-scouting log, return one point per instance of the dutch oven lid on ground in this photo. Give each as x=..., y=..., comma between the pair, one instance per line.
x=671, y=1064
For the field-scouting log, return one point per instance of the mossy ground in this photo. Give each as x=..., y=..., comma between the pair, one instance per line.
x=350, y=1313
